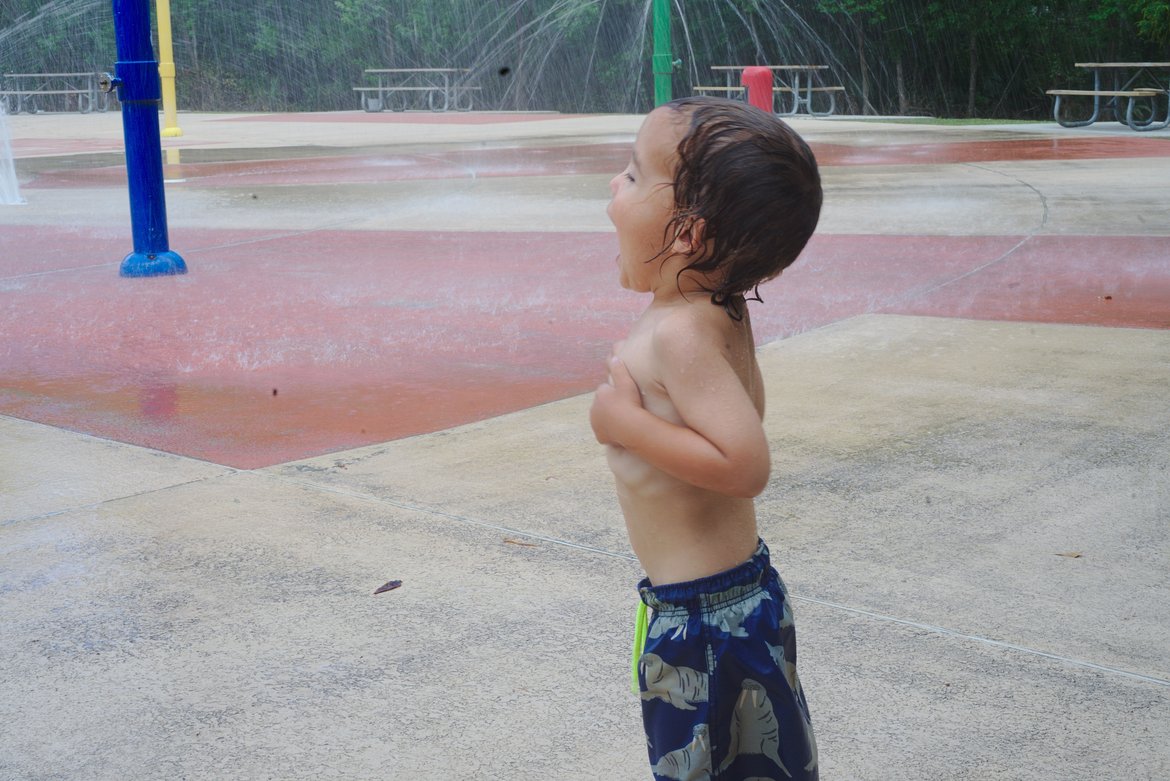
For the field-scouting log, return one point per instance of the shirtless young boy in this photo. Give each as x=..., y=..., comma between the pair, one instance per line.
x=717, y=198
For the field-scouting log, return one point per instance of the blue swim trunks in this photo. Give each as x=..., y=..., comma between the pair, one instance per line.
x=717, y=676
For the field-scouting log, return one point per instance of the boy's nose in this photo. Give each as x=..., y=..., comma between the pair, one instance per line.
x=613, y=184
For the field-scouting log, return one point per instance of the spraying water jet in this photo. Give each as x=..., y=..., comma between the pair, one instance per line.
x=9, y=187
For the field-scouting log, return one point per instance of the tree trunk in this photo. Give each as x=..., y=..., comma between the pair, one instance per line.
x=866, y=108
x=973, y=51
x=386, y=42
x=197, y=80
x=519, y=85
x=900, y=76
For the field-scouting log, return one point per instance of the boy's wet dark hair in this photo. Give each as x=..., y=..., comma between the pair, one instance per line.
x=755, y=183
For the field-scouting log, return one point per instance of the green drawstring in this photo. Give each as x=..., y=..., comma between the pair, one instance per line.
x=641, y=627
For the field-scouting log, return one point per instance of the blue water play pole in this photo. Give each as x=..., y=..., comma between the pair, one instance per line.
x=140, y=91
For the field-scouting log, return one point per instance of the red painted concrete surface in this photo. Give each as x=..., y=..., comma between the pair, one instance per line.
x=351, y=168
x=408, y=117
x=278, y=347
x=1073, y=148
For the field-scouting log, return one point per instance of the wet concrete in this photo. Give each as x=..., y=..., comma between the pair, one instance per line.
x=368, y=253
x=378, y=368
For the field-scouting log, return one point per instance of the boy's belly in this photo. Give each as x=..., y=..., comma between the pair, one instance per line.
x=680, y=532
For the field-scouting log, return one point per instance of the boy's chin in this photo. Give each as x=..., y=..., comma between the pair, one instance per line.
x=626, y=281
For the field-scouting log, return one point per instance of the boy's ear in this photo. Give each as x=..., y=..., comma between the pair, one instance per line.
x=691, y=237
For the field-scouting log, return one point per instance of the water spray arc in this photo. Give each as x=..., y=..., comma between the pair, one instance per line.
x=140, y=91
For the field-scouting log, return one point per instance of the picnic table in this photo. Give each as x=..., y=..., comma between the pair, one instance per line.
x=34, y=92
x=444, y=88
x=1142, y=85
x=795, y=80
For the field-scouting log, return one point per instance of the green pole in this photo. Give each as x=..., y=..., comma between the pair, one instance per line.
x=662, y=61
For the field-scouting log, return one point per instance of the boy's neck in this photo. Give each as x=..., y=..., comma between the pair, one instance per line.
x=674, y=287
x=669, y=295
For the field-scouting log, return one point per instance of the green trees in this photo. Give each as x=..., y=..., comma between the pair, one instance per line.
x=1153, y=19
x=861, y=16
x=63, y=36
x=979, y=58
x=990, y=58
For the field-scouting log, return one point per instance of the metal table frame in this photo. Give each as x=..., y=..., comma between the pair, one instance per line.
x=1124, y=77
x=798, y=100
x=448, y=88
x=21, y=90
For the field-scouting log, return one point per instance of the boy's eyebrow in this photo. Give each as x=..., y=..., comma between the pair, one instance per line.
x=634, y=160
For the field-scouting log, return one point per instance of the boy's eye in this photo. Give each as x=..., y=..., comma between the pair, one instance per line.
x=628, y=175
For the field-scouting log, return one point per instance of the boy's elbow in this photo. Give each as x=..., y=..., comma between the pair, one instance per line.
x=756, y=472
x=749, y=481
x=752, y=486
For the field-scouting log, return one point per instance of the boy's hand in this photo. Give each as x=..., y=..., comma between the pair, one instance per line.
x=613, y=399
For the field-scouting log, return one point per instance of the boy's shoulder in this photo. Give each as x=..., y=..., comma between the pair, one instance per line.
x=688, y=328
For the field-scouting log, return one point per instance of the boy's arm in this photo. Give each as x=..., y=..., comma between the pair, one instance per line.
x=720, y=448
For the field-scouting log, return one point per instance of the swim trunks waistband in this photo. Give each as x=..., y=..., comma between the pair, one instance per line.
x=698, y=594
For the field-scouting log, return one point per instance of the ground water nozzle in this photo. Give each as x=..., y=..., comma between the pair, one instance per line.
x=107, y=83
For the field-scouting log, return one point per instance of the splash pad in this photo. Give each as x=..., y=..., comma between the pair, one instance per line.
x=391, y=275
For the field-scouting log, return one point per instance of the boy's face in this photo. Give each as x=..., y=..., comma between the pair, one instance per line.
x=643, y=199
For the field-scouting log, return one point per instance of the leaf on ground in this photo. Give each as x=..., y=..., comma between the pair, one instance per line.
x=1070, y=555
x=388, y=587
x=510, y=541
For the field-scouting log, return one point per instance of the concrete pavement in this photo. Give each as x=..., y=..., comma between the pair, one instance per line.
x=378, y=369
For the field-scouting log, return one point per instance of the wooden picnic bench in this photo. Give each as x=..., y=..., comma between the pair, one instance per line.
x=802, y=94
x=729, y=91
x=1141, y=102
x=738, y=91
x=444, y=88
x=36, y=92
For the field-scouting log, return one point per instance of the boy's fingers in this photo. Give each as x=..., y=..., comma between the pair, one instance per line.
x=621, y=378
x=595, y=415
x=615, y=365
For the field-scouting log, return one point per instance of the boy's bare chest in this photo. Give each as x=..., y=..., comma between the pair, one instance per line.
x=637, y=353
